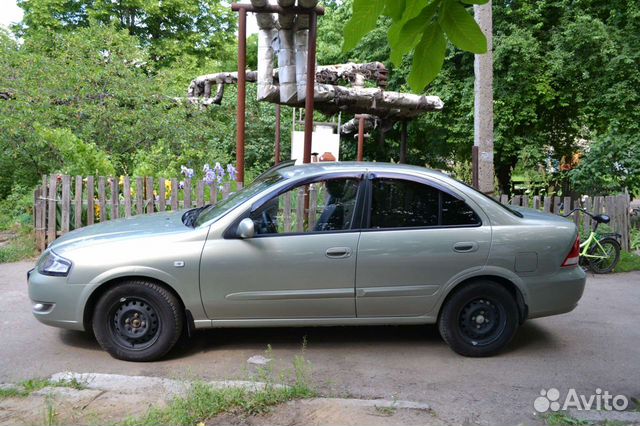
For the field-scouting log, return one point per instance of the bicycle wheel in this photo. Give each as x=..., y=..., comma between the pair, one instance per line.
x=610, y=253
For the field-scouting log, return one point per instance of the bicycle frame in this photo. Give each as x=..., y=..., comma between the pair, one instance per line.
x=586, y=245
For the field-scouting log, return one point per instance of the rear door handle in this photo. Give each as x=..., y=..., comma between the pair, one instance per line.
x=465, y=246
x=338, y=252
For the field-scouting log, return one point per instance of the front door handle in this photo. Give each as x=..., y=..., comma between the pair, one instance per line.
x=465, y=246
x=338, y=252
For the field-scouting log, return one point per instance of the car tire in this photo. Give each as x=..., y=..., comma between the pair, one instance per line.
x=479, y=319
x=138, y=321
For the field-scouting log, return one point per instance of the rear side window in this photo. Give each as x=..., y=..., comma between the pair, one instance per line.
x=406, y=204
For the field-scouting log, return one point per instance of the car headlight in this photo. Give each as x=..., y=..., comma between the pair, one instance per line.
x=52, y=264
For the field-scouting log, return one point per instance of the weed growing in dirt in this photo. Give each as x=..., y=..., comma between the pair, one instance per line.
x=203, y=402
x=27, y=387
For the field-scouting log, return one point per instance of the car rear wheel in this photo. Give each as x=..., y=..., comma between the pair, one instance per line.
x=137, y=321
x=479, y=319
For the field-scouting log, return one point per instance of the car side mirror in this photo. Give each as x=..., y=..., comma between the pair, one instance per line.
x=246, y=228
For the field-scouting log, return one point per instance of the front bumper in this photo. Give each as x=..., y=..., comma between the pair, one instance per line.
x=555, y=294
x=55, y=302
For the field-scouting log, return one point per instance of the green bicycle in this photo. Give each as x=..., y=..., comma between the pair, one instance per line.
x=599, y=252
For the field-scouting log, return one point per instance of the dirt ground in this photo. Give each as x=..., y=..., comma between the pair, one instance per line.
x=597, y=346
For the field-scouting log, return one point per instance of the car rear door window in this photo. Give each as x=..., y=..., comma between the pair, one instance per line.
x=397, y=203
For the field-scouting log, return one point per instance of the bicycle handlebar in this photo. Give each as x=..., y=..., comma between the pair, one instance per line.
x=577, y=209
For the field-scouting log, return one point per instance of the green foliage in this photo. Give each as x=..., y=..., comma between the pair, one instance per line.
x=413, y=20
x=628, y=262
x=170, y=29
x=611, y=165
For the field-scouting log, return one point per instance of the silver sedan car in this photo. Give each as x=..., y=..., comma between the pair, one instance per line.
x=315, y=245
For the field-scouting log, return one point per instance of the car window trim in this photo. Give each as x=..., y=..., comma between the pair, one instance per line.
x=356, y=223
x=417, y=179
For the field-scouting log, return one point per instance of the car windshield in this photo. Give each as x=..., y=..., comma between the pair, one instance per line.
x=260, y=184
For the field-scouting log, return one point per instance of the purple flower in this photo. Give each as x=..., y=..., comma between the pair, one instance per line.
x=231, y=171
x=206, y=168
x=209, y=177
x=219, y=170
x=181, y=184
x=186, y=171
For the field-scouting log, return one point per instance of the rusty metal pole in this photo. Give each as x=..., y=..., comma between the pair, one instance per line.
x=277, y=148
x=360, y=137
x=403, y=143
x=242, y=92
x=311, y=77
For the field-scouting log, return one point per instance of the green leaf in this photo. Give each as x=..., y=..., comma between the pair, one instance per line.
x=474, y=1
x=461, y=28
x=364, y=18
x=394, y=9
x=427, y=58
x=405, y=38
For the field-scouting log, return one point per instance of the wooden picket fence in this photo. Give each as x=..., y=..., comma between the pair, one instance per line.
x=63, y=203
x=617, y=207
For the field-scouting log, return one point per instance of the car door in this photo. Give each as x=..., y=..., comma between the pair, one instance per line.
x=300, y=263
x=418, y=236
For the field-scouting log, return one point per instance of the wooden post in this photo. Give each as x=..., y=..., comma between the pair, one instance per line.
x=101, y=199
x=126, y=188
x=200, y=194
x=39, y=216
x=360, y=118
x=313, y=206
x=300, y=210
x=287, y=211
x=150, y=202
x=175, y=188
x=536, y=202
x=242, y=95
x=278, y=135
x=78, y=203
x=213, y=194
x=66, y=204
x=162, y=202
x=139, y=195
x=310, y=89
x=187, y=193
x=52, y=195
x=91, y=210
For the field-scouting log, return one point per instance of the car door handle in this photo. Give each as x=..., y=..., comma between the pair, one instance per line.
x=338, y=252
x=465, y=247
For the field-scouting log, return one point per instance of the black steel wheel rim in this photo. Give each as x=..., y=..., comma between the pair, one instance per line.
x=482, y=321
x=134, y=323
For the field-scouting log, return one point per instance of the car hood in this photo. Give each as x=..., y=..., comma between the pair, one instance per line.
x=142, y=226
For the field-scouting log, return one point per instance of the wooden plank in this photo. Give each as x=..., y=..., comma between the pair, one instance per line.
x=566, y=204
x=213, y=194
x=101, y=198
x=150, y=199
x=126, y=189
x=525, y=201
x=52, y=195
x=287, y=211
x=226, y=190
x=586, y=219
x=504, y=199
x=162, y=194
x=174, y=194
x=300, y=210
x=187, y=193
x=200, y=194
x=547, y=203
x=91, y=210
x=139, y=195
x=113, y=202
x=313, y=206
x=536, y=202
x=37, y=207
x=516, y=200
x=556, y=202
x=65, y=210
x=78, y=204
x=239, y=186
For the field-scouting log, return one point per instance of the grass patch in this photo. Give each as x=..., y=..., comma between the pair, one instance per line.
x=562, y=419
x=27, y=387
x=628, y=262
x=203, y=402
x=22, y=246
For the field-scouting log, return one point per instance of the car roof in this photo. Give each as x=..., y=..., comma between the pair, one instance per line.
x=313, y=169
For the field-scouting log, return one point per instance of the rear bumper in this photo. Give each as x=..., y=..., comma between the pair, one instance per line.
x=555, y=294
x=55, y=302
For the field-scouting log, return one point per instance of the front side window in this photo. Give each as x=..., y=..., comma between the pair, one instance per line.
x=399, y=203
x=323, y=206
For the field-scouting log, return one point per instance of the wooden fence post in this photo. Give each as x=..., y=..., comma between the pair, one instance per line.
x=139, y=195
x=115, y=198
x=151, y=201
x=101, y=199
x=187, y=193
x=162, y=202
x=91, y=210
x=126, y=189
x=66, y=204
x=78, y=203
x=200, y=194
x=52, y=195
x=174, y=194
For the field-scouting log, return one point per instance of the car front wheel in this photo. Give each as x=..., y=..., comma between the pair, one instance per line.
x=479, y=319
x=137, y=321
